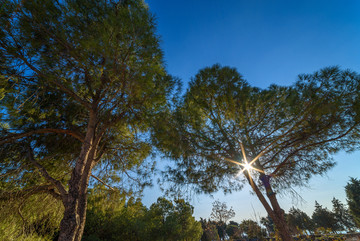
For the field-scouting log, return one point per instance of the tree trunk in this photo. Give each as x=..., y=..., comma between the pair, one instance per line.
x=82, y=215
x=274, y=210
x=83, y=198
x=73, y=223
x=280, y=221
x=73, y=220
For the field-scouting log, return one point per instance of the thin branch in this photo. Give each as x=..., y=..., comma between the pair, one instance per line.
x=310, y=145
x=58, y=84
x=30, y=191
x=103, y=182
x=45, y=174
x=14, y=137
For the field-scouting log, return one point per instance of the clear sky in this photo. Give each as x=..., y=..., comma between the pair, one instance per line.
x=268, y=42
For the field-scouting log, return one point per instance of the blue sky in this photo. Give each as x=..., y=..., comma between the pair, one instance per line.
x=268, y=42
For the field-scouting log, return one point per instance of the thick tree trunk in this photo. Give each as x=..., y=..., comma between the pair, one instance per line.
x=73, y=223
x=82, y=215
x=83, y=198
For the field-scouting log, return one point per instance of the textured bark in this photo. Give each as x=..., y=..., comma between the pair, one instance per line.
x=84, y=185
x=274, y=210
x=73, y=222
x=82, y=216
x=280, y=221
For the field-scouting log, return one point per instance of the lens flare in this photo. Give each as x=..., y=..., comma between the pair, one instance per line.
x=247, y=166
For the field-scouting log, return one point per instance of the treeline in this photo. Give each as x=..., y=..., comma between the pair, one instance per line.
x=323, y=221
x=110, y=216
x=111, y=219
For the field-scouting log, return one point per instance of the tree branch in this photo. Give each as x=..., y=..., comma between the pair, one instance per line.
x=45, y=174
x=14, y=137
x=30, y=191
x=103, y=182
x=310, y=145
x=71, y=93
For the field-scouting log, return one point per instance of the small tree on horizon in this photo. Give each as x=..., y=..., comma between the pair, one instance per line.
x=252, y=229
x=342, y=216
x=220, y=212
x=324, y=218
x=299, y=221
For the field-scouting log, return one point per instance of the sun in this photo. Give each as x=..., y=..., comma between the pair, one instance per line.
x=244, y=165
x=247, y=166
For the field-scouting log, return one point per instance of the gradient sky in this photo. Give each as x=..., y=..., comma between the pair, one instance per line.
x=268, y=42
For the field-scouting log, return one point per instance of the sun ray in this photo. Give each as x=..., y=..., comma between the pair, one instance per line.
x=243, y=152
x=245, y=166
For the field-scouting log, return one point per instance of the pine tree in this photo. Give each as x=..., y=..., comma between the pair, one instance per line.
x=80, y=83
x=287, y=134
x=342, y=216
x=323, y=218
x=352, y=189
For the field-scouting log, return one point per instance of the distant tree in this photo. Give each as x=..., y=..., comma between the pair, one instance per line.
x=344, y=219
x=173, y=221
x=119, y=220
x=221, y=214
x=323, y=218
x=252, y=229
x=352, y=190
x=299, y=221
x=210, y=232
x=111, y=217
x=268, y=224
x=80, y=83
x=287, y=133
x=233, y=230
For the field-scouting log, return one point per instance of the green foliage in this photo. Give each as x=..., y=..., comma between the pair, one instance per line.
x=34, y=217
x=252, y=229
x=233, y=230
x=342, y=216
x=59, y=59
x=113, y=219
x=352, y=190
x=323, y=218
x=173, y=221
x=296, y=128
x=299, y=221
x=268, y=223
x=210, y=231
x=75, y=74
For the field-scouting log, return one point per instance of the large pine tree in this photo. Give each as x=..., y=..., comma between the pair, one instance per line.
x=80, y=83
x=287, y=134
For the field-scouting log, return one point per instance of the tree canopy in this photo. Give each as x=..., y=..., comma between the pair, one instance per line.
x=342, y=215
x=324, y=218
x=295, y=128
x=80, y=84
x=288, y=134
